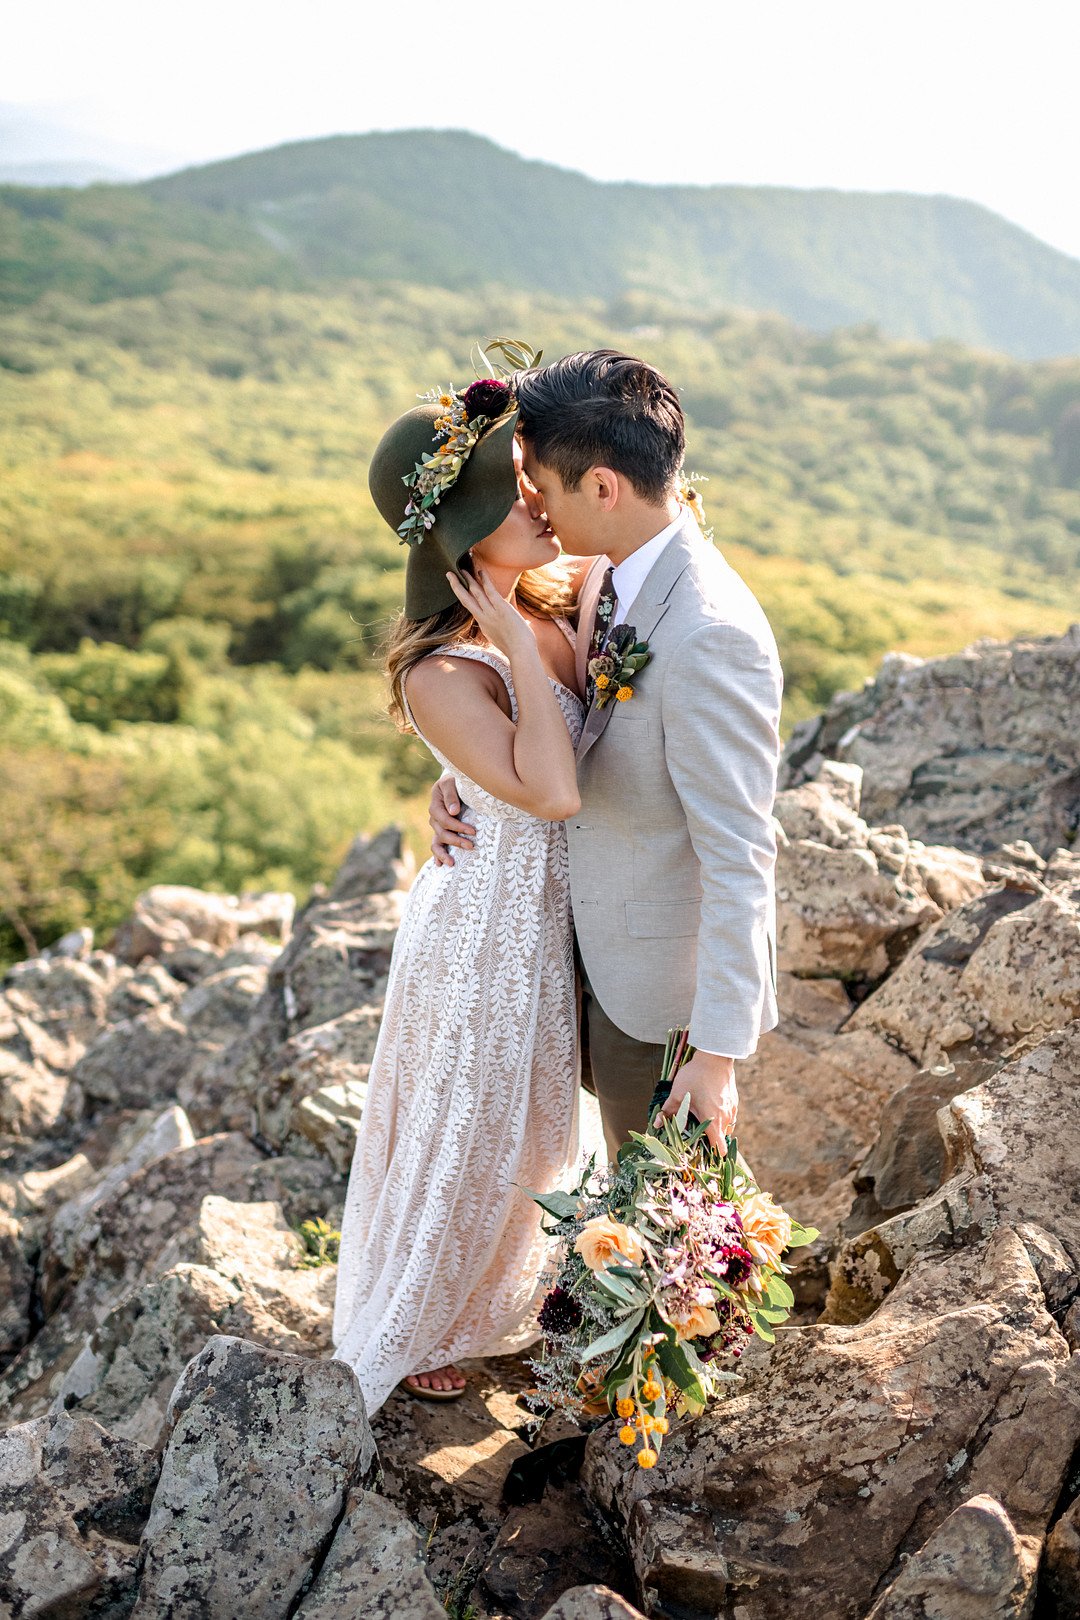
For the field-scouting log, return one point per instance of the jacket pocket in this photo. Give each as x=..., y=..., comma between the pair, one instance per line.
x=662, y=919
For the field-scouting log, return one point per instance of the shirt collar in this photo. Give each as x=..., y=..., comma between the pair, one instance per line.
x=629, y=576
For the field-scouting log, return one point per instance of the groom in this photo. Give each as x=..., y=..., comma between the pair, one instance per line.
x=673, y=849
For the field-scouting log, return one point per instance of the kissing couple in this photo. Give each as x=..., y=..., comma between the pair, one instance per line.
x=602, y=691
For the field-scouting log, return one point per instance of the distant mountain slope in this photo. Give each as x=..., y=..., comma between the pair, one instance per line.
x=452, y=210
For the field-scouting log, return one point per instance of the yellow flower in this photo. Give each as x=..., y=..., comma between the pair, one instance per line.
x=602, y=681
x=767, y=1228
x=660, y=1425
x=699, y=1322
x=651, y=1391
x=647, y=1458
x=627, y=1435
x=446, y=401
x=624, y=692
x=624, y=1406
x=602, y=1241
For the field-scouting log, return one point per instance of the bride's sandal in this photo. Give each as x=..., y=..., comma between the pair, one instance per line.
x=423, y=1393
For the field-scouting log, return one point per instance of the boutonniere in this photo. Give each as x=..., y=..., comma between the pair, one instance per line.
x=613, y=670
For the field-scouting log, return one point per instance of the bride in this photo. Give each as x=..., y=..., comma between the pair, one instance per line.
x=473, y=1090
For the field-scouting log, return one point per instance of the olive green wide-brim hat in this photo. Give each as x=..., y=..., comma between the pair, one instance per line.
x=474, y=506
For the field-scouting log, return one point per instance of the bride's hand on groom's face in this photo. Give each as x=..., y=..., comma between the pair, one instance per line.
x=444, y=811
x=714, y=1096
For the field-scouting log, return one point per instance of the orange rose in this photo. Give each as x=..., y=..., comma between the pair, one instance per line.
x=603, y=1241
x=700, y=1322
x=767, y=1228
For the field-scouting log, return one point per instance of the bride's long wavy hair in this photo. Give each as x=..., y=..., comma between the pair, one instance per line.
x=547, y=592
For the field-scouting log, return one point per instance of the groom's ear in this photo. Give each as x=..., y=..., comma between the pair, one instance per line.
x=604, y=487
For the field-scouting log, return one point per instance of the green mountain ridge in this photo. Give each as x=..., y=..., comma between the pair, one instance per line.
x=451, y=209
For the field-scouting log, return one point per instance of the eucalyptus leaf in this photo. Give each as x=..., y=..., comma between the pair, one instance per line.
x=662, y=1154
x=613, y=1339
x=777, y=1291
x=560, y=1204
x=763, y=1329
x=675, y=1366
x=617, y=1288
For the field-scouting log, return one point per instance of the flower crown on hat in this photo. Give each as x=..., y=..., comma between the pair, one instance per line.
x=467, y=413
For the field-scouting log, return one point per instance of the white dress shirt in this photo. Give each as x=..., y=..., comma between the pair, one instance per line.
x=629, y=576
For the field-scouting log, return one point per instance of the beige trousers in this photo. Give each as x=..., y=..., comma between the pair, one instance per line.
x=620, y=1071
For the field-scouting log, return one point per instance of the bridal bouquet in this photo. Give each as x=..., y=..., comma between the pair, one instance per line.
x=667, y=1260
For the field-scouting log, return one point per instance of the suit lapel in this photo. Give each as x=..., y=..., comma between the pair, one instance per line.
x=590, y=591
x=647, y=610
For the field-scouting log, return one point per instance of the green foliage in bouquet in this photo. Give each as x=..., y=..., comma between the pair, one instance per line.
x=667, y=1260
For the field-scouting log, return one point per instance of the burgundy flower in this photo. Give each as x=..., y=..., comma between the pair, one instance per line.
x=734, y=1263
x=733, y=1323
x=559, y=1313
x=488, y=397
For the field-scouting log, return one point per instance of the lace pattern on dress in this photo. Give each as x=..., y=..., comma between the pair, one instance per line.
x=472, y=1094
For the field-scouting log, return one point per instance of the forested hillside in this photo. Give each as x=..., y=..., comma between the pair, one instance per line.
x=450, y=209
x=193, y=582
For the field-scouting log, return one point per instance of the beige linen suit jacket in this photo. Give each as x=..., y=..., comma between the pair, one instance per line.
x=673, y=850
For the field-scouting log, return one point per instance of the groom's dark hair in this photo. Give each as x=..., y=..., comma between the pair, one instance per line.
x=601, y=408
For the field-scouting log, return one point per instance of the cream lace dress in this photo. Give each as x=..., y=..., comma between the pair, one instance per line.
x=473, y=1088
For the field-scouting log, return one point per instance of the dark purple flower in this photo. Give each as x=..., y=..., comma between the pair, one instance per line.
x=559, y=1313
x=488, y=397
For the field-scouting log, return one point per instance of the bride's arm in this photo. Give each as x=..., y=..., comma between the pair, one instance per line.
x=530, y=764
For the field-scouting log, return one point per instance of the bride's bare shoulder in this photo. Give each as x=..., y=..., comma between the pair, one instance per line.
x=440, y=678
x=577, y=569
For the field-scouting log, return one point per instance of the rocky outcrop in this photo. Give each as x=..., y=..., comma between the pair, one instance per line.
x=850, y=1446
x=170, y=914
x=975, y=750
x=73, y=1500
x=315, y=1025
x=1011, y=1150
x=1003, y=966
x=851, y=897
x=973, y=1567
x=257, y=1439
x=173, y=1108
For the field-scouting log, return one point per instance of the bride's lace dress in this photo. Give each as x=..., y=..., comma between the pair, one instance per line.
x=473, y=1089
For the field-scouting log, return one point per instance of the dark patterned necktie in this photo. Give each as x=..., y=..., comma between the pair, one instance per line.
x=605, y=607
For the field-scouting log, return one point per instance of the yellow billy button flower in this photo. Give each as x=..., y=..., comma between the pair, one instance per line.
x=628, y=1435
x=647, y=1457
x=603, y=681
x=651, y=1391
x=660, y=1425
x=623, y=693
x=624, y=1406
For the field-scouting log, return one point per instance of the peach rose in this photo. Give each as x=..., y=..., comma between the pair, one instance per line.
x=767, y=1228
x=598, y=1241
x=700, y=1322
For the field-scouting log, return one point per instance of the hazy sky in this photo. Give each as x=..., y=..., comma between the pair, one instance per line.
x=976, y=100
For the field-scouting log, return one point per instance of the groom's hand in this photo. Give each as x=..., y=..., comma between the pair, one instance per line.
x=443, y=812
x=710, y=1081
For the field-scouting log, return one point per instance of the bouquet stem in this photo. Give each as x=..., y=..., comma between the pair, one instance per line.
x=677, y=1051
